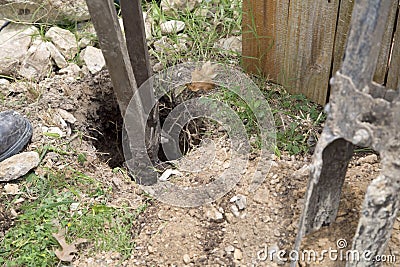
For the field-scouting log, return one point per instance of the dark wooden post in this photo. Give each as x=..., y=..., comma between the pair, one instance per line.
x=135, y=36
x=143, y=131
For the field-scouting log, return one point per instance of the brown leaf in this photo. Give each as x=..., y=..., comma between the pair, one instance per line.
x=68, y=250
x=196, y=86
x=202, y=79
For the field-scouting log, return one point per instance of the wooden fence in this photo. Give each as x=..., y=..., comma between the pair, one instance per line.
x=300, y=43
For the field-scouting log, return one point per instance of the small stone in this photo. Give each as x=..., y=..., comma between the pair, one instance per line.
x=72, y=70
x=56, y=55
x=4, y=83
x=230, y=249
x=371, y=159
x=150, y=249
x=74, y=206
x=11, y=189
x=64, y=40
x=230, y=218
x=237, y=254
x=85, y=41
x=186, y=259
x=68, y=117
x=240, y=201
x=37, y=63
x=277, y=233
x=213, y=214
x=226, y=165
x=18, y=165
x=235, y=210
x=93, y=58
x=172, y=26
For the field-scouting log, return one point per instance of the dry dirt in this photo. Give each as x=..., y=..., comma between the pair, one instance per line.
x=212, y=235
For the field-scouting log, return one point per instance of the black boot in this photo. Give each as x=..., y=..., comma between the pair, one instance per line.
x=15, y=133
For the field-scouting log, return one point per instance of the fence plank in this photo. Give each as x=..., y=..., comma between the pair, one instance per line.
x=393, y=80
x=386, y=45
x=342, y=29
x=264, y=36
x=310, y=41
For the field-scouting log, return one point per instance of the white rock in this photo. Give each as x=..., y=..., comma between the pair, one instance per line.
x=15, y=40
x=85, y=41
x=68, y=117
x=240, y=201
x=233, y=43
x=235, y=211
x=72, y=70
x=237, y=254
x=74, y=206
x=37, y=63
x=4, y=83
x=213, y=214
x=56, y=55
x=11, y=189
x=18, y=165
x=172, y=26
x=64, y=40
x=93, y=58
x=46, y=11
x=167, y=173
x=186, y=259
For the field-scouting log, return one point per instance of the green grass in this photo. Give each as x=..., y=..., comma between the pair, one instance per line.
x=30, y=241
x=201, y=31
x=297, y=120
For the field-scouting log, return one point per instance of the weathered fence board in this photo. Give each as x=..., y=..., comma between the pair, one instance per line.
x=265, y=35
x=393, y=80
x=342, y=29
x=310, y=41
x=300, y=43
x=384, y=54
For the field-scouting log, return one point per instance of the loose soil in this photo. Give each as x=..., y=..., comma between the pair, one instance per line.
x=171, y=236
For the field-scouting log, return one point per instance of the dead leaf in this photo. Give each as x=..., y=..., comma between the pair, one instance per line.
x=196, y=86
x=202, y=79
x=68, y=250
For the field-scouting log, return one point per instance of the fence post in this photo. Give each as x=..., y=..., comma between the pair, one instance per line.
x=113, y=45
